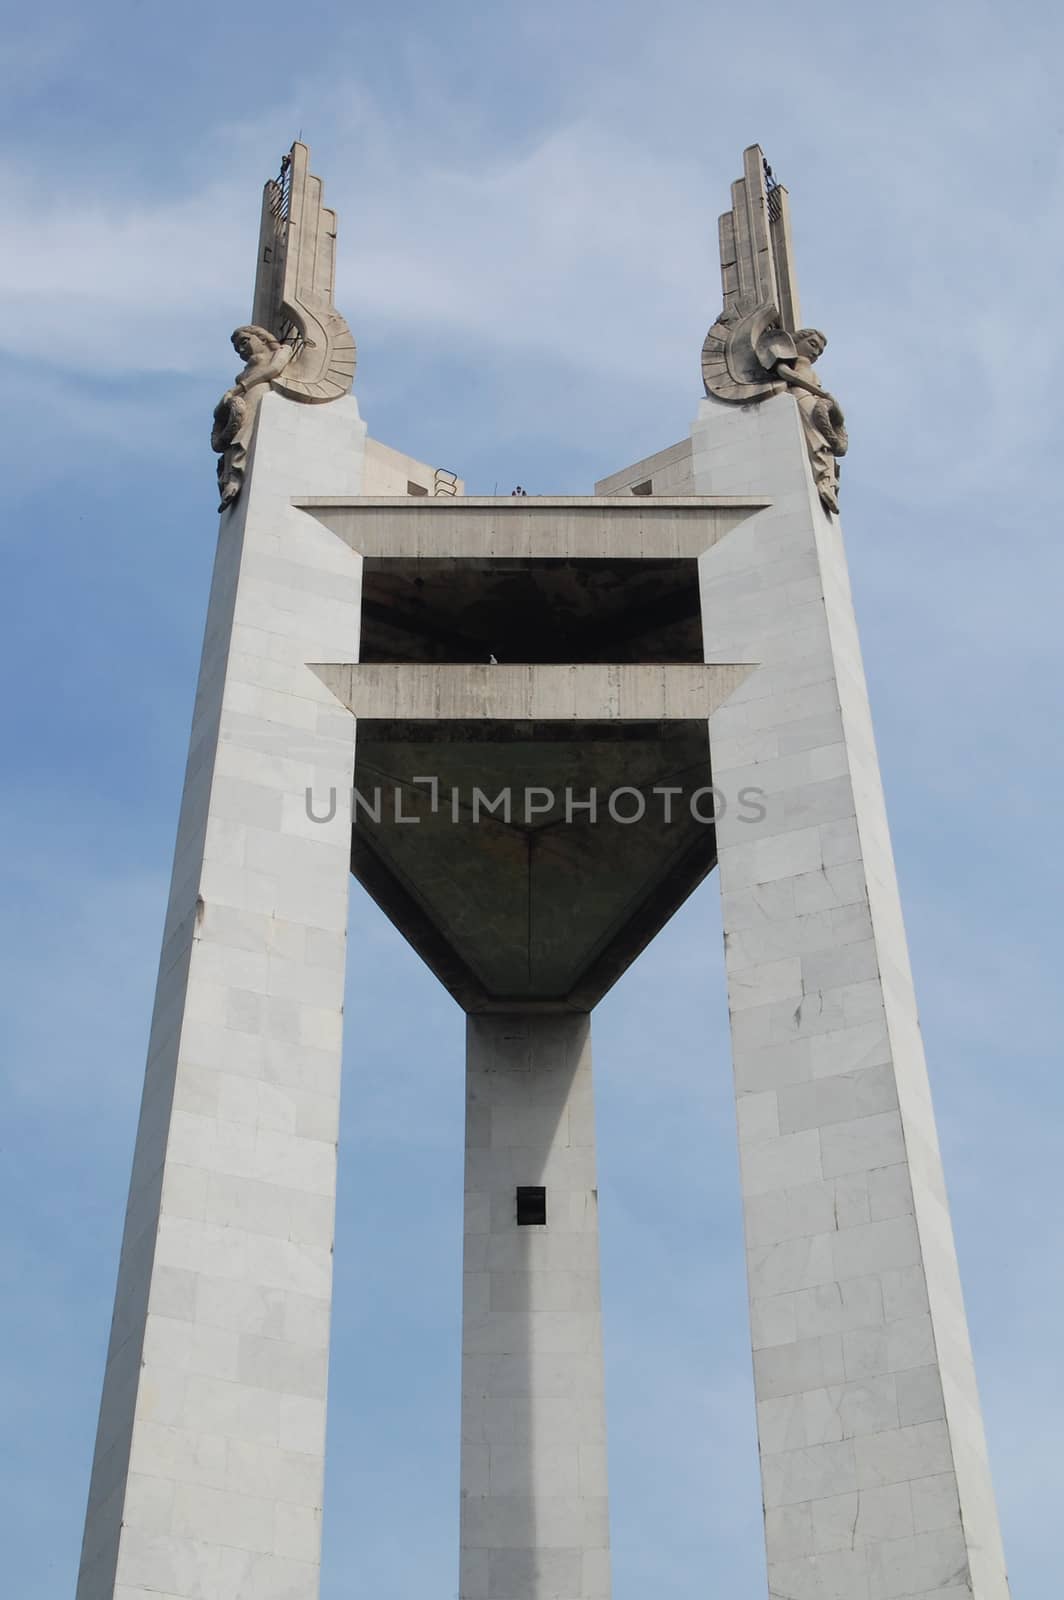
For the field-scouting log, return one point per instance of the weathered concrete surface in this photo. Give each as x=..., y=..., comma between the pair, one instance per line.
x=541, y=858
x=591, y=692
x=541, y=527
x=602, y=601
x=668, y=472
x=386, y=471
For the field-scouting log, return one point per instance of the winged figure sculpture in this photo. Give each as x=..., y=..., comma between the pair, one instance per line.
x=756, y=348
x=297, y=343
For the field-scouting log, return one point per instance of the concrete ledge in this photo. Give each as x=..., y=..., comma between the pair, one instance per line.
x=539, y=527
x=539, y=692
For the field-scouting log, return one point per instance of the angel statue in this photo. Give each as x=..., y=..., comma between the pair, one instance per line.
x=297, y=344
x=265, y=358
x=748, y=356
x=822, y=418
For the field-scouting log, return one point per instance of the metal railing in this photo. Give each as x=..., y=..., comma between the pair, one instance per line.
x=772, y=193
x=281, y=191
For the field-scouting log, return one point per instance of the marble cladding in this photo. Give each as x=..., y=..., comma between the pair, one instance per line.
x=874, y=1465
x=534, y=1523
x=207, y=1477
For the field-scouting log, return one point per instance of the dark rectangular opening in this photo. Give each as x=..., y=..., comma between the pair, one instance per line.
x=531, y=1206
x=550, y=609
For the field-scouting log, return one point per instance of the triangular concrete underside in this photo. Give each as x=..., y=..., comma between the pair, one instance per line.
x=547, y=910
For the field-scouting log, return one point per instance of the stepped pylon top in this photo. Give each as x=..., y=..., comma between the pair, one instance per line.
x=296, y=342
x=755, y=348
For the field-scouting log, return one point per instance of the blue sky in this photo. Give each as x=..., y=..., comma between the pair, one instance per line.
x=527, y=200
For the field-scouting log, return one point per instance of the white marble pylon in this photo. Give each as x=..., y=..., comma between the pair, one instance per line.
x=207, y=1477
x=534, y=1511
x=873, y=1459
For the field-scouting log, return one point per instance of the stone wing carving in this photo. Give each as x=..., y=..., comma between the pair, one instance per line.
x=295, y=284
x=740, y=354
x=323, y=367
x=756, y=347
x=760, y=296
x=297, y=342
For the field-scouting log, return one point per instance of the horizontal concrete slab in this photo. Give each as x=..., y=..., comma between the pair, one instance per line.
x=537, y=526
x=591, y=692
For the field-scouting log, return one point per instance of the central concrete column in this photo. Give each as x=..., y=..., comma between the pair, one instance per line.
x=534, y=1508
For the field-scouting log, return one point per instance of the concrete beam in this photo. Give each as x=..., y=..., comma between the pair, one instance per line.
x=543, y=527
x=423, y=691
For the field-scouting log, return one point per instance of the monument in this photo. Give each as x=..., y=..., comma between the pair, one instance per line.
x=569, y=711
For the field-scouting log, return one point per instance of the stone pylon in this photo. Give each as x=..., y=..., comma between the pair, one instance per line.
x=569, y=711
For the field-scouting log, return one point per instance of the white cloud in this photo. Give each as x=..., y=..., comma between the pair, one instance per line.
x=535, y=253
x=110, y=286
